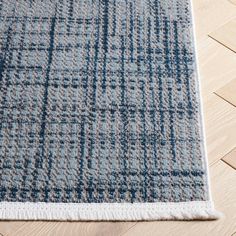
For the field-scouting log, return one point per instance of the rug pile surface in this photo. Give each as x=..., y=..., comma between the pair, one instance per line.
x=100, y=113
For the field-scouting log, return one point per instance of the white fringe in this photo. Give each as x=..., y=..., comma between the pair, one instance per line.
x=198, y=210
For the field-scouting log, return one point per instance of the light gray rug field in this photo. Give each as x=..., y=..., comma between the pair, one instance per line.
x=100, y=114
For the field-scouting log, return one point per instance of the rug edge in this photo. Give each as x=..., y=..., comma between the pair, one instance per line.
x=195, y=210
x=203, y=210
x=201, y=107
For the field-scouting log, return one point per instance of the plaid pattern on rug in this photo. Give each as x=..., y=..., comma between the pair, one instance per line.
x=99, y=102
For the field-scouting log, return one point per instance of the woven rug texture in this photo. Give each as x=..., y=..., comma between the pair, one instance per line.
x=100, y=105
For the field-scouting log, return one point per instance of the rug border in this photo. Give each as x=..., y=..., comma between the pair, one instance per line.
x=201, y=120
x=193, y=210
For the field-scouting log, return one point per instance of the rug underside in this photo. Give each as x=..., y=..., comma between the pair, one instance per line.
x=100, y=112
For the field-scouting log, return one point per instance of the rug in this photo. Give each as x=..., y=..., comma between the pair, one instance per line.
x=100, y=112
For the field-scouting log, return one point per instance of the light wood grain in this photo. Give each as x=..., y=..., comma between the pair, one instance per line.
x=8, y=227
x=210, y=14
x=34, y=228
x=233, y=1
x=42, y=228
x=224, y=191
x=226, y=35
x=228, y=92
x=230, y=159
x=220, y=123
x=217, y=68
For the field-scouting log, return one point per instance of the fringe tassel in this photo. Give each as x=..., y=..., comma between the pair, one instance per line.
x=196, y=210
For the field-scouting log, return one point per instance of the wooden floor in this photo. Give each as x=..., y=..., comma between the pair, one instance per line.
x=216, y=41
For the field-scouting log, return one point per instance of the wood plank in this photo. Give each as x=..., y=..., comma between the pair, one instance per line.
x=8, y=227
x=226, y=35
x=220, y=125
x=230, y=158
x=224, y=191
x=233, y=1
x=42, y=228
x=92, y=228
x=217, y=66
x=228, y=92
x=209, y=14
x=33, y=228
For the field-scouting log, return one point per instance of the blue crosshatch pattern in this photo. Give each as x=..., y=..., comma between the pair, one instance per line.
x=98, y=102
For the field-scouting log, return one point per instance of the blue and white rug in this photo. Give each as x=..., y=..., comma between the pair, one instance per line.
x=100, y=114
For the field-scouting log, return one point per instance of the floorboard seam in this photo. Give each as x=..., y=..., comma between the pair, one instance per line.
x=128, y=229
